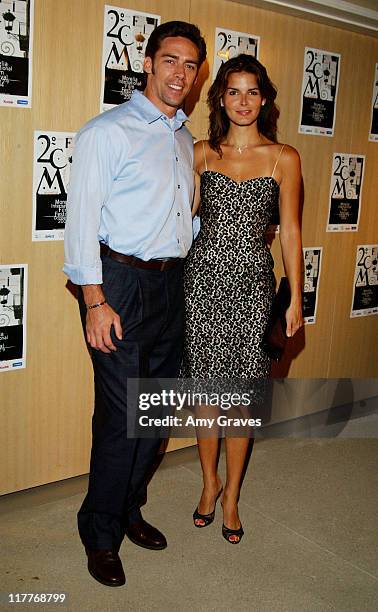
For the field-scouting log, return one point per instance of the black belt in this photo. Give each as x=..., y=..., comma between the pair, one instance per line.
x=151, y=264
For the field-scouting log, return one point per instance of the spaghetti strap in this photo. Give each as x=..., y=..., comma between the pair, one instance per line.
x=204, y=154
x=277, y=160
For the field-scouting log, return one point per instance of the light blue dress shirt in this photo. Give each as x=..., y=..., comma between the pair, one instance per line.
x=131, y=187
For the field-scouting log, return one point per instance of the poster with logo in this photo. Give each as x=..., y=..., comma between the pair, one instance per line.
x=126, y=34
x=320, y=85
x=365, y=284
x=373, y=136
x=229, y=43
x=312, y=265
x=345, y=192
x=51, y=173
x=16, y=47
x=13, y=301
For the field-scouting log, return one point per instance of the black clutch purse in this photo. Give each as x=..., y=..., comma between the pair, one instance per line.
x=274, y=338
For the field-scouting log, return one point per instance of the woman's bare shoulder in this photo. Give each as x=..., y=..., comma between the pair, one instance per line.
x=199, y=145
x=289, y=155
x=287, y=150
x=201, y=148
x=275, y=147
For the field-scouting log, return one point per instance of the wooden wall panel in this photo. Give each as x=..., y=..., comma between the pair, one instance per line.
x=45, y=409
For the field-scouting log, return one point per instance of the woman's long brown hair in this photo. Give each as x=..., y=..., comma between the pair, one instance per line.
x=269, y=113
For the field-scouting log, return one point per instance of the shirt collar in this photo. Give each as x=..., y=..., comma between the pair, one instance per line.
x=150, y=112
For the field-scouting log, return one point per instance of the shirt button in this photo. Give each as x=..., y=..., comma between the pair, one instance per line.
x=176, y=158
x=178, y=214
x=178, y=186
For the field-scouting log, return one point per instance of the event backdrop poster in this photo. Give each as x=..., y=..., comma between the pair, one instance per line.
x=320, y=84
x=229, y=43
x=373, y=136
x=312, y=266
x=16, y=46
x=345, y=192
x=51, y=172
x=13, y=302
x=126, y=34
x=365, y=285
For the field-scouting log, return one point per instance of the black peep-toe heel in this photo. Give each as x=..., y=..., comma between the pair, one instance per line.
x=206, y=518
x=228, y=533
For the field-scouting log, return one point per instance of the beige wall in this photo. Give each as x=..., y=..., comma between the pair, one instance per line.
x=46, y=408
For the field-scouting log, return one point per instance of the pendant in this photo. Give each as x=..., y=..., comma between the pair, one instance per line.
x=241, y=148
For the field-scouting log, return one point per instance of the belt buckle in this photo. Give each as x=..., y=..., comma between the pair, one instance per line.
x=163, y=264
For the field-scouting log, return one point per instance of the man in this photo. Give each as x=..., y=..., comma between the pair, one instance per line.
x=131, y=190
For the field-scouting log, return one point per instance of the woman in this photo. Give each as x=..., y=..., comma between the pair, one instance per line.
x=241, y=173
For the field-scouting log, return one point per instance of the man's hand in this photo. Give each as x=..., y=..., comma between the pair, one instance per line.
x=100, y=320
x=98, y=326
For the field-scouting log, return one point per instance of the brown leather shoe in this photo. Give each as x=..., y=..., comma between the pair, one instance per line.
x=106, y=567
x=145, y=535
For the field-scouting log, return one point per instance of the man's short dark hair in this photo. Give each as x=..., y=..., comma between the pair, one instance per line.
x=176, y=28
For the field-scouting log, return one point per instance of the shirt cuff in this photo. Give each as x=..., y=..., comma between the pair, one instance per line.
x=81, y=275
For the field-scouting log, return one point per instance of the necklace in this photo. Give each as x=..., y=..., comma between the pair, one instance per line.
x=241, y=148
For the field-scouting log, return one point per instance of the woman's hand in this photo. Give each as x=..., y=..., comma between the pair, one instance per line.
x=294, y=319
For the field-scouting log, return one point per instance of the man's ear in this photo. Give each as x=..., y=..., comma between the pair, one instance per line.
x=147, y=65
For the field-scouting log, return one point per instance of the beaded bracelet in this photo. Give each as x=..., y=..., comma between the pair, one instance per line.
x=89, y=307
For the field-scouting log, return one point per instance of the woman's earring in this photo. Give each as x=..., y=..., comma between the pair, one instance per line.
x=221, y=103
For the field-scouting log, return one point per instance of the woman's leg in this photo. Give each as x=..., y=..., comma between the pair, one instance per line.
x=208, y=450
x=236, y=453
